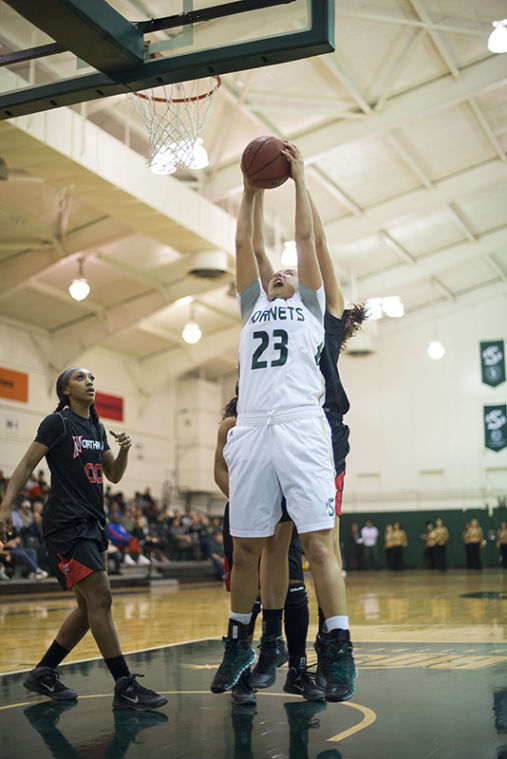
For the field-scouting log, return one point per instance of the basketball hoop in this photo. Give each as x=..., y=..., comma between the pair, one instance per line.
x=174, y=116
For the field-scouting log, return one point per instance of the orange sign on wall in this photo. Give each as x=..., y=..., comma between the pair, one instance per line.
x=13, y=385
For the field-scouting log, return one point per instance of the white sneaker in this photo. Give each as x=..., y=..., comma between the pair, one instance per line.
x=344, y=573
x=40, y=574
x=128, y=560
x=3, y=574
x=143, y=560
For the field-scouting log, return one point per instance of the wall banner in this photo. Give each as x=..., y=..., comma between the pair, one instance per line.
x=13, y=385
x=109, y=406
x=492, y=362
x=495, y=427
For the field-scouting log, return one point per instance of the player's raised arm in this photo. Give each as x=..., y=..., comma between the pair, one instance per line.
x=266, y=270
x=334, y=296
x=246, y=265
x=308, y=266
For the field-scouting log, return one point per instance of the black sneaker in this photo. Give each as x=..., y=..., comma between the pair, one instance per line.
x=272, y=655
x=45, y=680
x=243, y=693
x=300, y=681
x=128, y=694
x=238, y=655
x=337, y=666
x=45, y=715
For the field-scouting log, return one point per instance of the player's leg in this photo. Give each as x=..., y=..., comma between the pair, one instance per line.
x=336, y=671
x=274, y=579
x=44, y=678
x=238, y=654
x=128, y=693
x=255, y=499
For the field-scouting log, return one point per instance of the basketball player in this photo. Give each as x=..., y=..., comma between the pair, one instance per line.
x=295, y=606
x=339, y=326
x=281, y=444
x=77, y=452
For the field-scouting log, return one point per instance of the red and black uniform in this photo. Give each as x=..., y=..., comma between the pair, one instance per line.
x=336, y=403
x=73, y=518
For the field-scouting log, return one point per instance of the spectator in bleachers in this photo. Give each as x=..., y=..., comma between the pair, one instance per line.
x=27, y=557
x=217, y=555
x=25, y=512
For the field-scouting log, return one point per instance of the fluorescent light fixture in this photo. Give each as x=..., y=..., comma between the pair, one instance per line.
x=497, y=41
x=393, y=306
x=191, y=333
x=435, y=350
x=197, y=158
x=374, y=306
x=289, y=253
x=185, y=301
x=390, y=306
x=164, y=161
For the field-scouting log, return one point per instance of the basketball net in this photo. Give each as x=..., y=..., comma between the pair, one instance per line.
x=175, y=115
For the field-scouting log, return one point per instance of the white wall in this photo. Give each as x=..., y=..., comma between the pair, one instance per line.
x=417, y=438
x=149, y=420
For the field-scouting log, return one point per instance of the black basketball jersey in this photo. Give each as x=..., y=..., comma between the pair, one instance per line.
x=336, y=399
x=75, y=458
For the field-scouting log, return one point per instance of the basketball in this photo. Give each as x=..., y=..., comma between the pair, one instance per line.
x=263, y=163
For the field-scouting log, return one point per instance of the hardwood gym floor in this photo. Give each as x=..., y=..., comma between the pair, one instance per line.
x=431, y=651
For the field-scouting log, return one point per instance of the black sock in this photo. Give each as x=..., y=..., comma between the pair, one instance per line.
x=296, y=628
x=322, y=619
x=272, y=622
x=53, y=656
x=255, y=613
x=117, y=667
x=237, y=631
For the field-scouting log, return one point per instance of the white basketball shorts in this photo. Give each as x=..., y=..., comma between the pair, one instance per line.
x=276, y=455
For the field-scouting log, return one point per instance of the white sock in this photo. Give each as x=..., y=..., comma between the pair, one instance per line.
x=340, y=622
x=244, y=619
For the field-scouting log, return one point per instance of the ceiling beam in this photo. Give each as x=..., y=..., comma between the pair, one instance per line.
x=397, y=112
x=36, y=261
x=432, y=264
x=450, y=190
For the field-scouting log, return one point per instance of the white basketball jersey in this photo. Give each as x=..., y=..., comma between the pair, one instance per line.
x=279, y=352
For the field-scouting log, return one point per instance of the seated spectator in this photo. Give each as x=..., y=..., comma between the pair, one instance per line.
x=123, y=540
x=182, y=543
x=32, y=487
x=27, y=557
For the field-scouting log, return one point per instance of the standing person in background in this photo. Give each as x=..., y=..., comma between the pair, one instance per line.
x=429, y=546
x=399, y=541
x=388, y=547
x=369, y=536
x=441, y=537
x=475, y=540
x=354, y=548
x=501, y=543
x=74, y=442
x=468, y=554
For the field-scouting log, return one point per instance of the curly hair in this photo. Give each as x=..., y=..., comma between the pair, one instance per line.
x=231, y=407
x=354, y=316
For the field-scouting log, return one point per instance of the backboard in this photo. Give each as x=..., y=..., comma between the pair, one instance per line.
x=63, y=52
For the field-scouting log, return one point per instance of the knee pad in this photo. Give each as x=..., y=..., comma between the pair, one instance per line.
x=296, y=597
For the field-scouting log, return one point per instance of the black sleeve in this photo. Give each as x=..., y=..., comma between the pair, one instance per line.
x=51, y=430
